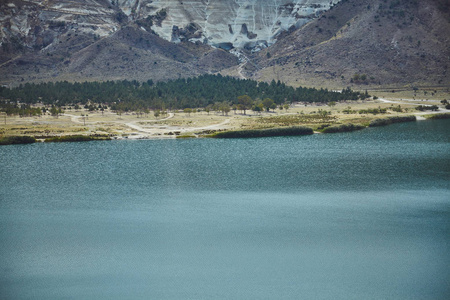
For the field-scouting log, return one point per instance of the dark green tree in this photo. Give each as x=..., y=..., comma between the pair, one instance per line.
x=245, y=101
x=267, y=103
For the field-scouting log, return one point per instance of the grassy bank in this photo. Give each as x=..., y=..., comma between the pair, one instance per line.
x=391, y=120
x=15, y=140
x=76, y=138
x=342, y=128
x=437, y=116
x=185, y=136
x=256, y=133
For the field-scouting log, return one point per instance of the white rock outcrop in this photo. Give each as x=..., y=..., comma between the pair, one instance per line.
x=237, y=23
x=254, y=24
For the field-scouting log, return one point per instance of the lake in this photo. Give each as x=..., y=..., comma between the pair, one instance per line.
x=361, y=215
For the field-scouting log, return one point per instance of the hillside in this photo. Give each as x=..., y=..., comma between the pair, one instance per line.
x=93, y=40
x=358, y=43
x=130, y=53
x=362, y=43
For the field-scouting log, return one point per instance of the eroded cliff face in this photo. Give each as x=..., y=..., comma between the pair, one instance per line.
x=405, y=42
x=38, y=24
x=225, y=23
x=139, y=39
x=94, y=40
x=222, y=23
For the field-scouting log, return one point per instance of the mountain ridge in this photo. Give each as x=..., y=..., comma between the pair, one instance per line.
x=392, y=43
x=363, y=44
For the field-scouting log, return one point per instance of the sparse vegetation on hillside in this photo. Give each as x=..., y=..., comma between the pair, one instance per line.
x=365, y=43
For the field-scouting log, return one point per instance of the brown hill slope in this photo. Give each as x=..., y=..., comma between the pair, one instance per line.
x=358, y=43
x=92, y=40
x=129, y=53
x=385, y=43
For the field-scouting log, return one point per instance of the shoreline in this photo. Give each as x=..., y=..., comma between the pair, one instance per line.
x=199, y=124
x=261, y=133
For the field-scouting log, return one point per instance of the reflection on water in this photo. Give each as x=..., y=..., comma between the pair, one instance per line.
x=364, y=215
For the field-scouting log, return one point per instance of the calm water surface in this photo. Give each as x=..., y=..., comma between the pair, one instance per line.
x=363, y=215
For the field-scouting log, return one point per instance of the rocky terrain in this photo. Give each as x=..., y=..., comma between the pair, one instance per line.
x=93, y=40
x=360, y=43
x=225, y=23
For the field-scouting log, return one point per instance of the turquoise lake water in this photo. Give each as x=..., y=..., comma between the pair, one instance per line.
x=361, y=215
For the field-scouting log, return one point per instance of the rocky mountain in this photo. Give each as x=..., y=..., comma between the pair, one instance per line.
x=364, y=43
x=225, y=23
x=309, y=42
x=222, y=23
x=94, y=40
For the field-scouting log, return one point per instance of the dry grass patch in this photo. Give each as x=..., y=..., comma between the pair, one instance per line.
x=315, y=115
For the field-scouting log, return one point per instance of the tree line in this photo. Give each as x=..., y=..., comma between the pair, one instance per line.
x=174, y=94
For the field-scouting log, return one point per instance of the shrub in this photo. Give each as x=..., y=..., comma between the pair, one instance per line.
x=283, y=131
x=13, y=140
x=427, y=107
x=373, y=111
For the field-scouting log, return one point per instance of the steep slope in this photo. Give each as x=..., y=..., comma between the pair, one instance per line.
x=129, y=53
x=360, y=43
x=92, y=40
x=226, y=23
x=136, y=54
x=236, y=23
x=365, y=43
x=114, y=39
x=38, y=24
